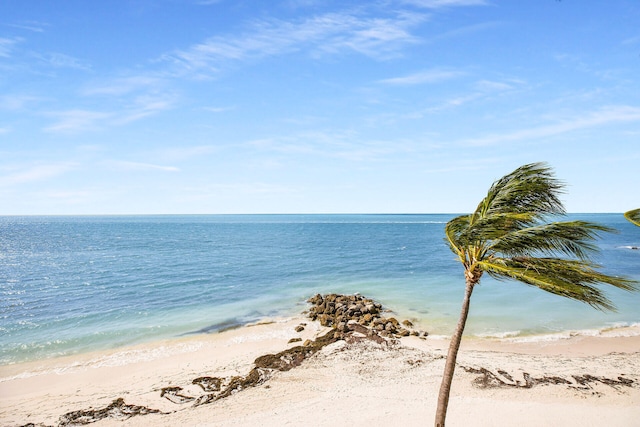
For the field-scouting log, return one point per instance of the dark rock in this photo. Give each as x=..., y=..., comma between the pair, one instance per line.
x=342, y=327
x=335, y=310
x=316, y=299
x=325, y=320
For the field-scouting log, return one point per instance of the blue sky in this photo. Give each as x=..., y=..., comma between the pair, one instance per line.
x=310, y=106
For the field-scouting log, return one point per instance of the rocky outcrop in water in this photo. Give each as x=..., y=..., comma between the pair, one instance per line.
x=339, y=311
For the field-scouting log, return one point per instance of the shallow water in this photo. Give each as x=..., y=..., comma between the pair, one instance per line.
x=76, y=284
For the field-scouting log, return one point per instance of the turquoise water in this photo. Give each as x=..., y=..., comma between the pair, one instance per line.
x=76, y=284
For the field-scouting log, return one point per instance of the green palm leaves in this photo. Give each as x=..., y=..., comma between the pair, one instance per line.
x=633, y=216
x=508, y=237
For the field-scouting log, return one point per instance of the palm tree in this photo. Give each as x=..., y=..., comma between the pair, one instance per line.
x=633, y=216
x=508, y=237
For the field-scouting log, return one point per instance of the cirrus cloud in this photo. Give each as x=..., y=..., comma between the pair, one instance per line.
x=605, y=116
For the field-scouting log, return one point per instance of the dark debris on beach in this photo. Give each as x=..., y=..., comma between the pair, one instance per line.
x=502, y=379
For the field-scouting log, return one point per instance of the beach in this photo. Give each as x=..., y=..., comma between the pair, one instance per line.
x=165, y=321
x=580, y=380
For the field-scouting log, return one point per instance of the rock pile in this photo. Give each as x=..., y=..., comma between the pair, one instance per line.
x=341, y=311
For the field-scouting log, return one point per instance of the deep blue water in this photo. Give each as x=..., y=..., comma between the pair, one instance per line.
x=82, y=283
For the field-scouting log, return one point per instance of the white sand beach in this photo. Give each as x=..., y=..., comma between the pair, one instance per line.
x=580, y=381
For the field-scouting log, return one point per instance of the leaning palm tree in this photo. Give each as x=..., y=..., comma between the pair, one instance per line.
x=633, y=216
x=509, y=237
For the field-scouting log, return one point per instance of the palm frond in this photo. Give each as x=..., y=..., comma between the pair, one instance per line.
x=509, y=236
x=571, y=238
x=463, y=233
x=572, y=279
x=453, y=232
x=530, y=188
x=633, y=216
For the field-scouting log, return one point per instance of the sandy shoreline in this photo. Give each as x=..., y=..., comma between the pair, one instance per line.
x=578, y=381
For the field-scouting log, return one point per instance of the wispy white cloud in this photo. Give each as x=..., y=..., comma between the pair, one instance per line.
x=35, y=173
x=124, y=85
x=467, y=30
x=378, y=37
x=604, y=116
x=344, y=145
x=139, y=166
x=35, y=26
x=36, y=63
x=436, y=4
x=138, y=96
x=60, y=60
x=72, y=121
x=632, y=40
x=184, y=153
x=583, y=64
x=6, y=46
x=218, y=109
x=144, y=106
x=452, y=102
x=429, y=76
x=493, y=86
x=483, y=90
x=216, y=191
x=69, y=196
x=479, y=91
x=17, y=102
x=298, y=4
x=132, y=98
x=90, y=148
x=75, y=121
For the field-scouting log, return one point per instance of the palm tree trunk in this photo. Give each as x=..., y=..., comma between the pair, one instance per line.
x=450, y=366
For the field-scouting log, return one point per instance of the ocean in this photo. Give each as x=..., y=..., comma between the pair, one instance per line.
x=74, y=284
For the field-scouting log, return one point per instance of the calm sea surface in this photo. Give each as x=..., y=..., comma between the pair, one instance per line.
x=75, y=284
